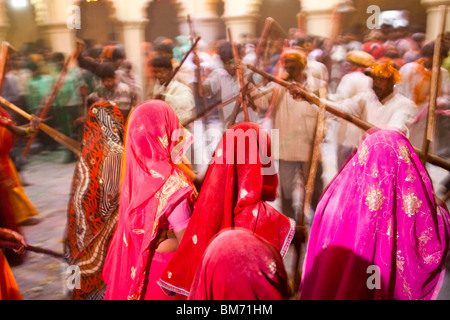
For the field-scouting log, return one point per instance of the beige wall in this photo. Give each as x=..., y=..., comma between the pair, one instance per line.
x=22, y=26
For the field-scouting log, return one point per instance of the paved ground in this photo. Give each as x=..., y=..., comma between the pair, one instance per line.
x=42, y=277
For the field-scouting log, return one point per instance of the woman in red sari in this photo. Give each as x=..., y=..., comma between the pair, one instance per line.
x=156, y=200
x=238, y=182
x=239, y=265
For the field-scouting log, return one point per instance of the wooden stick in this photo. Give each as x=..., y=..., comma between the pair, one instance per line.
x=174, y=73
x=56, y=88
x=198, y=74
x=264, y=34
x=302, y=28
x=316, y=155
x=15, y=246
x=240, y=79
x=431, y=121
x=3, y=62
x=333, y=109
x=217, y=105
x=309, y=188
x=276, y=90
x=69, y=143
x=258, y=51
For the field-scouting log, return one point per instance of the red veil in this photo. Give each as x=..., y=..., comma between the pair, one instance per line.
x=239, y=265
x=152, y=186
x=233, y=195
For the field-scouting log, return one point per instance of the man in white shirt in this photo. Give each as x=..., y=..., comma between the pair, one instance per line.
x=382, y=106
x=352, y=83
x=295, y=120
x=178, y=95
x=223, y=81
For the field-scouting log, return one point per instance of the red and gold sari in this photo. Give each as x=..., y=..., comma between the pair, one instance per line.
x=152, y=188
x=239, y=181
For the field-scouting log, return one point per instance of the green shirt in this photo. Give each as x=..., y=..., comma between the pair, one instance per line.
x=36, y=89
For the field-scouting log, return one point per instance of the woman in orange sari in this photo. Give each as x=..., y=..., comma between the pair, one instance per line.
x=17, y=208
x=9, y=290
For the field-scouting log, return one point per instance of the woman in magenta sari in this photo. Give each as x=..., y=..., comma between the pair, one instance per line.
x=155, y=204
x=239, y=265
x=239, y=181
x=379, y=232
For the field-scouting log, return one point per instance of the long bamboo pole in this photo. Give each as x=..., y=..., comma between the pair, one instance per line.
x=3, y=62
x=14, y=246
x=276, y=90
x=69, y=143
x=177, y=69
x=240, y=77
x=437, y=59
x=309, y=188
x=217, y=105
x=333, y=109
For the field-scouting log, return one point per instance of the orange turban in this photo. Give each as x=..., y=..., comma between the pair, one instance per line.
x=384, y=68
x=297, y=55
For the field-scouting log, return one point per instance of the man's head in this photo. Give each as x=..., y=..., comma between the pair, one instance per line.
x=113, y=54
x=107, y=72
x=58, y=59
x=427, y=54
x=294, y=62
x=385, y=76
x=162, y=68
x=164, y=49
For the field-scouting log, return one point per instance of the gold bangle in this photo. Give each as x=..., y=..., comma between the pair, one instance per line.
x=28, y=132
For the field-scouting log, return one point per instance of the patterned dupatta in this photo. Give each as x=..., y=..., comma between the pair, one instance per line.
x=233, y=195
x=379, y=232
x=94, y=202
x=152, y=185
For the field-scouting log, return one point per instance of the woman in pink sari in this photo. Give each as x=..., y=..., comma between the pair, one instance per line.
x=239, y=265
x=379, y=232
x=155, y=204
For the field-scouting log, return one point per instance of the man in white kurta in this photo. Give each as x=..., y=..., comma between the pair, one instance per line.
x=351, y=84
x=382, y=106
x=295, y=120
x=178, y=95
x=223, y=82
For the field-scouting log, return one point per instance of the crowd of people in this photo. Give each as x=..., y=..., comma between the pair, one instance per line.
x=158, y=212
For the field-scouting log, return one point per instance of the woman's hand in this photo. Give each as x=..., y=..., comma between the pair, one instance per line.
x=12, y=236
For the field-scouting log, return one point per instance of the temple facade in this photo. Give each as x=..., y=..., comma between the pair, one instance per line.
x=132, y=22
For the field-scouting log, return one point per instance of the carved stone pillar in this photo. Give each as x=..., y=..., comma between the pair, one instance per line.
x=433, y=18
x=133, y=37
x=241, y=17
x=58, y=36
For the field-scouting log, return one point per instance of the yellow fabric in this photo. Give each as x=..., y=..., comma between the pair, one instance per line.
x=22, y=206
x=385, y=68
x=9, y=290
x=296, y=55
x=361, y=58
